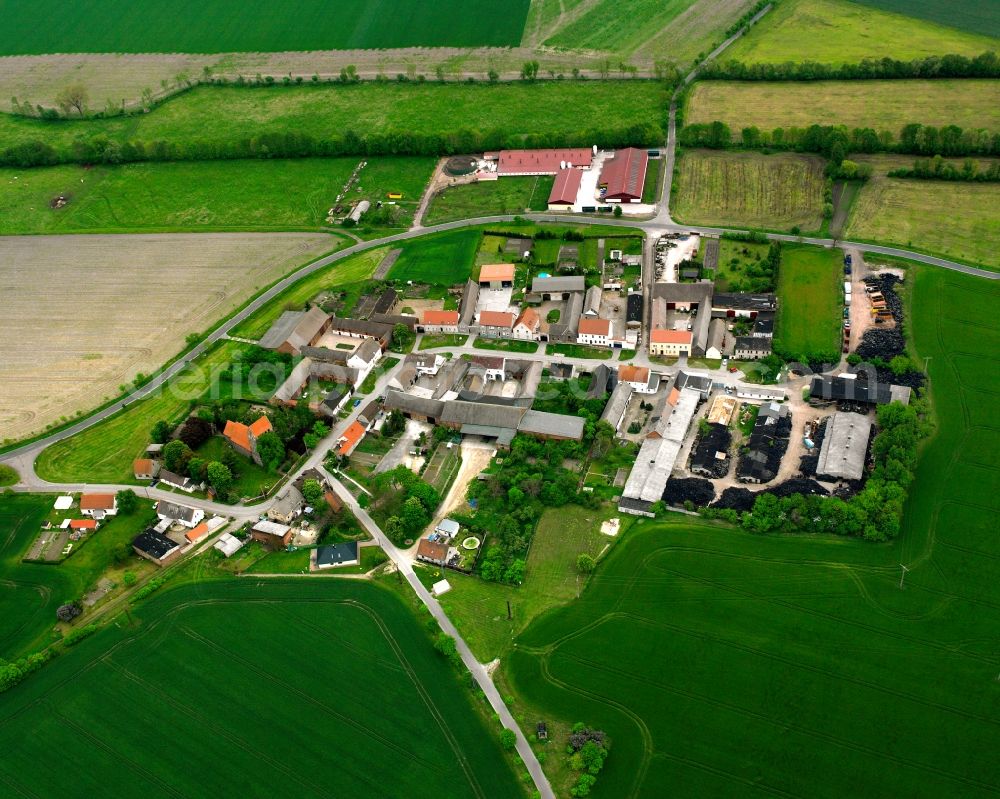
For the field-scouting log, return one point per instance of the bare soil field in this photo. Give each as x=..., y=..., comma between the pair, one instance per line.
x=84, y=314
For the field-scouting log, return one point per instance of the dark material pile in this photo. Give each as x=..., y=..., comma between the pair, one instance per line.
x=765, y=449
x=886, y=284
x=880, y=343
x=797, y=485
x=578, y=739
x=703, y=456
x=738, y=499
x=688, y=489
x=810, y=460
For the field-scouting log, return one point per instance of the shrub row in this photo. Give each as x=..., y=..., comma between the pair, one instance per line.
x=937, y=168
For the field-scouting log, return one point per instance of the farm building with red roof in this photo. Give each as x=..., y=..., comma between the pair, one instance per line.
x=624, y=175
x=565, y=189
x=542, y=162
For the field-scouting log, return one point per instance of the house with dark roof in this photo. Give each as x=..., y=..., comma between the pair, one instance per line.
x=156, y=547
x=435, y=552
x=176, y=481
x=343, y=554
x=174, y=512
x=296, y=329
x=851, y=388
x=751, y=348
x=743, y=304
x=286, y=506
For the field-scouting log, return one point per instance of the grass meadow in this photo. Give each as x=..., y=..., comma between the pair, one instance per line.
x=810, y=300
x=948, y=218
x=441, y=259
x=505, y=196
x=313, y=682
x=628, y=25
x=974, y=16
x=723, y=664
x=749, y=189
x=843, y=32
x=198, y=196
x=228, y=115
x=879, y=104
x=224, y=26
x=31, y=592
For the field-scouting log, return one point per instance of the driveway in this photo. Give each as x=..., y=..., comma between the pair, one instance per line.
x=399, y=455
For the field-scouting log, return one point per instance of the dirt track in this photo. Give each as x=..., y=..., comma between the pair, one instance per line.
x=84, y=314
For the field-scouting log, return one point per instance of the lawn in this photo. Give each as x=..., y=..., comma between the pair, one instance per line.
x=478, y=608
x=250, y=480
x=579, y=351
x=430, y=341
x=628, y=26
x=505, y=345
x=651, y=188
x=842, y=32
x=722, y=663
x=441, y=259
x=224, y=26
x=880, y=104
x=8, y=476
x=338, y=653
x=485, y=198
x=196, y=196
x=810, y=302
x=749, y=189
x=953, y=219
x=225, y=117
x=974, y=16
x=31, y=592
x=349, y=272
x=736, y=260
x=104, y=452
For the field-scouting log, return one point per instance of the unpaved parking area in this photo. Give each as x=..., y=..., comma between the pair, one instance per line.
x=476, y=456
x=400, y=455
x=84, y=314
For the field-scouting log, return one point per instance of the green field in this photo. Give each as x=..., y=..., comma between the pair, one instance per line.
x=949, y=218
x=735, y=189
x=604, y=22
x=810, y=300
x=104, y=453
x=225, y=117
x=441, y=259
x=842, y=32
x=504, y=196
x=735, y=258
x=969, y=15
x=337, y=655
x=725, y=664
x=348, y=273
x=31, y=592
x=220, y=26
x=879, y=104
x=198, y=196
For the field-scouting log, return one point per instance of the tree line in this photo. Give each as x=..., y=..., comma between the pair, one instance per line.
x=101, y=149
x=828, y=140
x=937, y=168
x=985, y=65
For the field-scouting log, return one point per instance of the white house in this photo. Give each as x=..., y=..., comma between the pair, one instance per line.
x=596, y=332
x=669, y=343
x=439, y=321
x=181, y=514
x=528, y=325
x=751, y=348
x=97, y=506
x=364, y=358
x=638, y=378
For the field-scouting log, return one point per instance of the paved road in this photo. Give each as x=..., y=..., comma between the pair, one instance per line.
x=405, y=566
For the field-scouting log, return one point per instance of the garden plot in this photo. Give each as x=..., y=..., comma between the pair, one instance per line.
x=84, y=314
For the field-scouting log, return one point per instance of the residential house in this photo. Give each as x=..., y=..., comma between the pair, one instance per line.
x=197, y=533
x=362, y=328
x=145, y=468
x=438, y=322
x=156, y=547
x=174, y=512
x=596, y=332
x=670, y=343
x=272, y=534
x=424, y=363
x=639, y=378
x=363, y=359
x=83, y=524
x=243, y=438
x=435, y=552
x=527, y=326
x=614, y=411
x=495, y=324
x=174, y=480
x=763, y=325
x=344, y=554
x=350, y=439
x=496, y=276
x=97, y=506
x=287, y=505
x=751, y=348
x=718, y=339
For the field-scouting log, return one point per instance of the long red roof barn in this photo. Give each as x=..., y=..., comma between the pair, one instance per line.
x=542, y=162
x=566, y=187
x=625, y=174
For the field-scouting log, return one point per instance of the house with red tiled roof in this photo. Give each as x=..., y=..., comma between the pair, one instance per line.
x=97, y=506
x=670, y=343
x=495, y=324
x=351, y=438
x=197, y=533
x=83, y=524
x=496, y=276
x=145, y=468
x=596, y=332
x=528, y=325
x=439, y=322
x=243, y=438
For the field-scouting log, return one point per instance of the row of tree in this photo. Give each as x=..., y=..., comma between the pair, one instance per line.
x=985, y=65
x=292, y=144
x=937, y=168
x=916, y=139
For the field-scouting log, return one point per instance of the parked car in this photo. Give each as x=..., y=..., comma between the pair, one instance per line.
x=357, y=402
